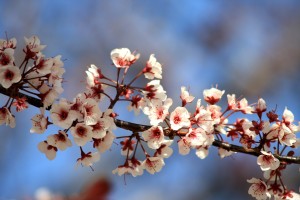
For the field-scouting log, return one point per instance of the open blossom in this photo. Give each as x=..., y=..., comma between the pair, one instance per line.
x=33, y=45
x=180, y=118
x=154, y=90
x=91, y=111
x=202, y=152
x=196, y=137
x=123, y=58
x=185, y=96
x=20, y=103
x=239, y=105
x=57, y=70
x=154, y=136
x=61, y=114
x=103, y=144
x=258, y=189
x=81, y=133
x=132, y=166
x=153, y=68
x=267, y=161
x=213, y=95
x=184, y=146
x=288, y=119
x=87, y=159
x=157, y=110
x=153, y=164
x=49, y=94
x=43, y=65
x=9, y=75
x=59, y=140
x=7, y=57
x=137, y=103
x=48, y=150
x=7, y=118
x=164, y=150
x=127, y=146
x=39, y=123
x=100, y=128
x=4, y=44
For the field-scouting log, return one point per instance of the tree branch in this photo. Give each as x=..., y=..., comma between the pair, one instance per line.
x=140, y=128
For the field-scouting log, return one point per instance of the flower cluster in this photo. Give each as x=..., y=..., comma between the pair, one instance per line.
x=82, y=123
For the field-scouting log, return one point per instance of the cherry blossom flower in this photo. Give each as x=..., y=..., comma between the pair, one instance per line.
x=7, y=118
x=203, y=116
x=49, y=94
x=137, y=103
x=93, y=75
x=43, y=66
x=154, y=136
x=288, y=195
x=110, y=115
x=91, y=111
x=157, y=110
x=153, y=164
x=239, y=105
x=127, y=146
x=196, y=137
x=267, y=161
x=33, y=45
x=61, y=115
x=132, y=166
x=20, y=103
x=9, y=75
x=184, y=146
x=180, y=118
x=258, y=189
x=57, y=70
x=202, y=152
x=244, y=107
x=286, y=136
x=4, y=44
x=103, y=144
x=100, y=128
x=81, y=133
x=213, y=95
x=152, y=69
x=288, y=119
x=280, y=131
x=225, y=153
x=185, y=96
x=48, y=150
x=87, y=159
x=154, y=90
x=260, y=107
x=123, y=58
x=60, y=140
x=39, y=123
x=7, y=57
x=164, y=150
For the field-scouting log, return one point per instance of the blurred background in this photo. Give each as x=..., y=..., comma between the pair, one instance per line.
x=250, y=49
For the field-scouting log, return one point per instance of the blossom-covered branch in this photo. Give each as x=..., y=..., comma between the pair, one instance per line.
x=140, y=128
x=38, y=81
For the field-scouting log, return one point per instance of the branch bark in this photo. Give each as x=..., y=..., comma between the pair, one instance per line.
x=140, y=128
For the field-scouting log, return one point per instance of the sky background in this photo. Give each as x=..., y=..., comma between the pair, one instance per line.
x=247, y=48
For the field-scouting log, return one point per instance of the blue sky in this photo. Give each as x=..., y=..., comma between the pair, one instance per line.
x=200, y=44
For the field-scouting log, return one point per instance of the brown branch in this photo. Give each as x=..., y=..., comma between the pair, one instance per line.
x=140, y=128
